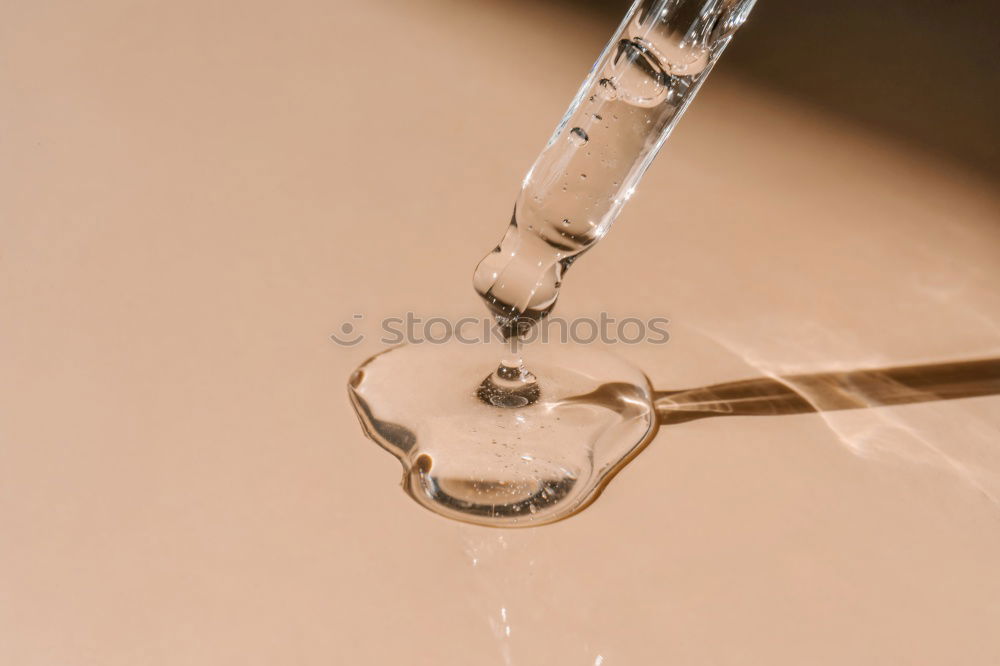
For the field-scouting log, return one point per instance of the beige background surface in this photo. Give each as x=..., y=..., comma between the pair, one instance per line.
x=193, y=196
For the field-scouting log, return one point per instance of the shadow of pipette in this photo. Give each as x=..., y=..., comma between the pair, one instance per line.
x=831, y=391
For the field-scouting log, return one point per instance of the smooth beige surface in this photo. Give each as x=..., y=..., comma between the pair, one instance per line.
x=193, y=196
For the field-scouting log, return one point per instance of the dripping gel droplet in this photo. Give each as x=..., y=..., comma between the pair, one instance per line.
x=510, y=385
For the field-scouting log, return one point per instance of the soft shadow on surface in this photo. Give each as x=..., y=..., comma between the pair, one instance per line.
x=831, y=391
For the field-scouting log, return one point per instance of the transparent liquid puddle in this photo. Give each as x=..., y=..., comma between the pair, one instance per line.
x=494, y=465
